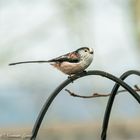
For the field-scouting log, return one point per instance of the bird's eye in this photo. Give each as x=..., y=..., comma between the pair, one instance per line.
x=85, y=50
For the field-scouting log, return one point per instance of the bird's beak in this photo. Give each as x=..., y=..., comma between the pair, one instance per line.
x=91, y=50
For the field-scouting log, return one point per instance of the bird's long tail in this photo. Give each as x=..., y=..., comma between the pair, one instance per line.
x=16, y=63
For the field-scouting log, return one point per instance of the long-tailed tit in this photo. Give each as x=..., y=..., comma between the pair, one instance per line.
x=70, y=63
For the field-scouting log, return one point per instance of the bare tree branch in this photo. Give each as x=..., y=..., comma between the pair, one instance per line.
x=94, y=95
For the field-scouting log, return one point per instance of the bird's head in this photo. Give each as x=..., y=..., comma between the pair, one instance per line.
x=85, y=52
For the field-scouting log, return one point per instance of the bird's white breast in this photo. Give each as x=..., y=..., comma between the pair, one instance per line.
x=86, y=61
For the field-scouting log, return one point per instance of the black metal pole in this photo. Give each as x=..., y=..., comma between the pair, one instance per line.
x=69, y=80
x=111, y=100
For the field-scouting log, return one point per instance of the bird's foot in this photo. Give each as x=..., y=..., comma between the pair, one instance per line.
x=85, y=71
x=71, y=78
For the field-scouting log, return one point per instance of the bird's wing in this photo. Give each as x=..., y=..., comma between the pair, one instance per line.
x=72, y=57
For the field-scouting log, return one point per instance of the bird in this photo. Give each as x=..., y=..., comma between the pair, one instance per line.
x=70, y=63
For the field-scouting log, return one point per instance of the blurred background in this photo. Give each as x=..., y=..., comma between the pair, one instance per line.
x=44, y=29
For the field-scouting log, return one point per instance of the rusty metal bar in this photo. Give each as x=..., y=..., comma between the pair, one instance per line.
x=70, y=80
x=111, y=100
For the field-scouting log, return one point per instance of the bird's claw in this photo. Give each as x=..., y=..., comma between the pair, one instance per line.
x=85, y=71
x=71, y=78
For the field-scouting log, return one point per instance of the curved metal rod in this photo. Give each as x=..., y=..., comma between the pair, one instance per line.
x=111, y=100
x=70, y=80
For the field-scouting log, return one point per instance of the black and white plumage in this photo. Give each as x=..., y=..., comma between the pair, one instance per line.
x=70, y=63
